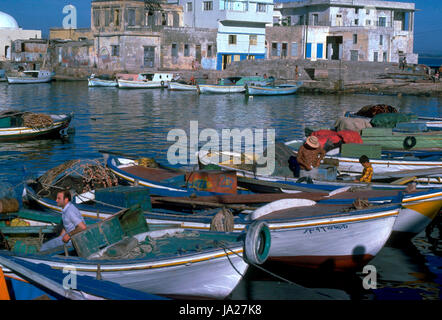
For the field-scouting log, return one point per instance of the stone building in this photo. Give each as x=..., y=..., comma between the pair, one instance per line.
x=130, y=35
x=9, y=32
x=359, y=30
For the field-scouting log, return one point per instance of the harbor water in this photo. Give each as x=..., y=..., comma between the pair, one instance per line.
x=137, y=122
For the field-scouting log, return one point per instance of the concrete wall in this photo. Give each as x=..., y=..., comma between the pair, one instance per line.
x=73, y=54
x=29, y=51
x=70, y=34
x=192, y=38
x=284, y=69
x=9, y=35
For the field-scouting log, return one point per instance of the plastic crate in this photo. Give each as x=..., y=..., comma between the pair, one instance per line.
x=125, y=196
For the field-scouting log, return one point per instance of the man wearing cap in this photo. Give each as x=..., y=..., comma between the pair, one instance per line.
x=309, y=157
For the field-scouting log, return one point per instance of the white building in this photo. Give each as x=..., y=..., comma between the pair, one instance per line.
x=240, y=23
x=358, y=30
x=9, y=32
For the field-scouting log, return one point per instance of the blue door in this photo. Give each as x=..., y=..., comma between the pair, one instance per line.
x=308, y=51
x=319, y=51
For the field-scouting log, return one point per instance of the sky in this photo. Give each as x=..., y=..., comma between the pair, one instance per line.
x=44, y=14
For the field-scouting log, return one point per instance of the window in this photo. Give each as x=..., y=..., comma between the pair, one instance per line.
x=261, y=7
x=275, y=49
x=232, y=38
x=107, y=18
x=150, y=19
x=174, y=50
x=368, y=22
x=116, y=51
x=356, y=22
x=381, y=40
x=251, y=57
x=209, y=50
x=384, y=56
x=367, y=11
x=96, y=18
x=131, y=17
x=315, y=19
x=208, y=5
x=294, y=49
x=301, y=20
x=117, y=18
x=164, y=19
x=189, y=6
x=186, y=50
x=356, y=10
x=355, y=39
x=253, y=40
x=354, y=55
x=375, y=57
x=382, y=22
x=284, y=50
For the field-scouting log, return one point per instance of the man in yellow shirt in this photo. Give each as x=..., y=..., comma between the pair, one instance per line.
x=367, y=173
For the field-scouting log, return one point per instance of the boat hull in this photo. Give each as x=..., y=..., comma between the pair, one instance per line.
x=181, y=86
x=271, y=91
x=26, y=133
x=219, y=271
x=27, y=80
x=128, y=84
x=206, y=88
x=101, y=83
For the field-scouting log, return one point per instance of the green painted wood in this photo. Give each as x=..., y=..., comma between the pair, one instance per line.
x=355, y=150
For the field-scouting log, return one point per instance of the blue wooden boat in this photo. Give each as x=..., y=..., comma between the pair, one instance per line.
x=283, y=89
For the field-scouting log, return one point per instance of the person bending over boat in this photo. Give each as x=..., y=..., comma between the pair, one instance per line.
x=72, y=220
x=309, y=157
x=367, y=173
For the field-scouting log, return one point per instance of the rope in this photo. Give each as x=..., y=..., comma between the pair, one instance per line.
x=259, y=267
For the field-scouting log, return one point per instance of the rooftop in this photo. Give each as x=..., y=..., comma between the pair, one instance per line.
x=349, y=3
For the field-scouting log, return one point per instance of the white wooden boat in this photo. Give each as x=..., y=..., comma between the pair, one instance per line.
x=181, y=86
x=283, y=89
x=162, y=262
x=145, y=80
x=31, y=76
x=97, y=82
x=218, y=88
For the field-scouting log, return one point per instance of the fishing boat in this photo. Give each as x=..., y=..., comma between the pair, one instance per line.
x=29, y=281
x=144, y=80
x=296, y=227
x=101, y=81
x=123, y=250
x=20, y=125
x=31, y=76
x=178, y=86
x=219, y=88
x=283, y=89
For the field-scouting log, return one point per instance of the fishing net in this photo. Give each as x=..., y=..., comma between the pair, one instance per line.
x=371, y=110
x=27, y=119
x=79, y=176
x=37, y=120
